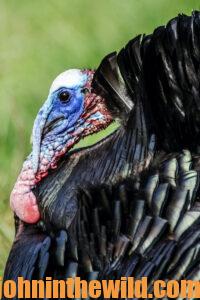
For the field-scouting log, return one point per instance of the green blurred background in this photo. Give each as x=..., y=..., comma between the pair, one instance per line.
x=41, y=38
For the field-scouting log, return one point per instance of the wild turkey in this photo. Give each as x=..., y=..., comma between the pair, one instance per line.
x=129, y=205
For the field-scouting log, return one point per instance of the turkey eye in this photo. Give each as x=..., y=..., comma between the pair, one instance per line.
x=64, y=96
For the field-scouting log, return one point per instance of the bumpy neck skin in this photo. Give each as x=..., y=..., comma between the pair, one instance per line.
x=54, y=144
x=23, y=201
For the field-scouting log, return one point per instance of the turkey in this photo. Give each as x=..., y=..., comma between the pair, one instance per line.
x=128, y=205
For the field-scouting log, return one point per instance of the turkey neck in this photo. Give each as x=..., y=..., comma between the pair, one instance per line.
x=125, y=153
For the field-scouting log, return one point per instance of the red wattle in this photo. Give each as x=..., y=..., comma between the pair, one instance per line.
x=25, y=206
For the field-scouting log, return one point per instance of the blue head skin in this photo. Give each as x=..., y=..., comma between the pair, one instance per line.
x=70, y=112
x=61, y=121
x=58, y=115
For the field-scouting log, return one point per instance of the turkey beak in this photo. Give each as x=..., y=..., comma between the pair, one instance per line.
x=38, y=129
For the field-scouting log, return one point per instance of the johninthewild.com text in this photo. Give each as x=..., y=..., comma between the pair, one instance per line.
x=125, y=287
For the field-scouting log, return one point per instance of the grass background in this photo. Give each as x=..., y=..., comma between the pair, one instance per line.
x=41, y=38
